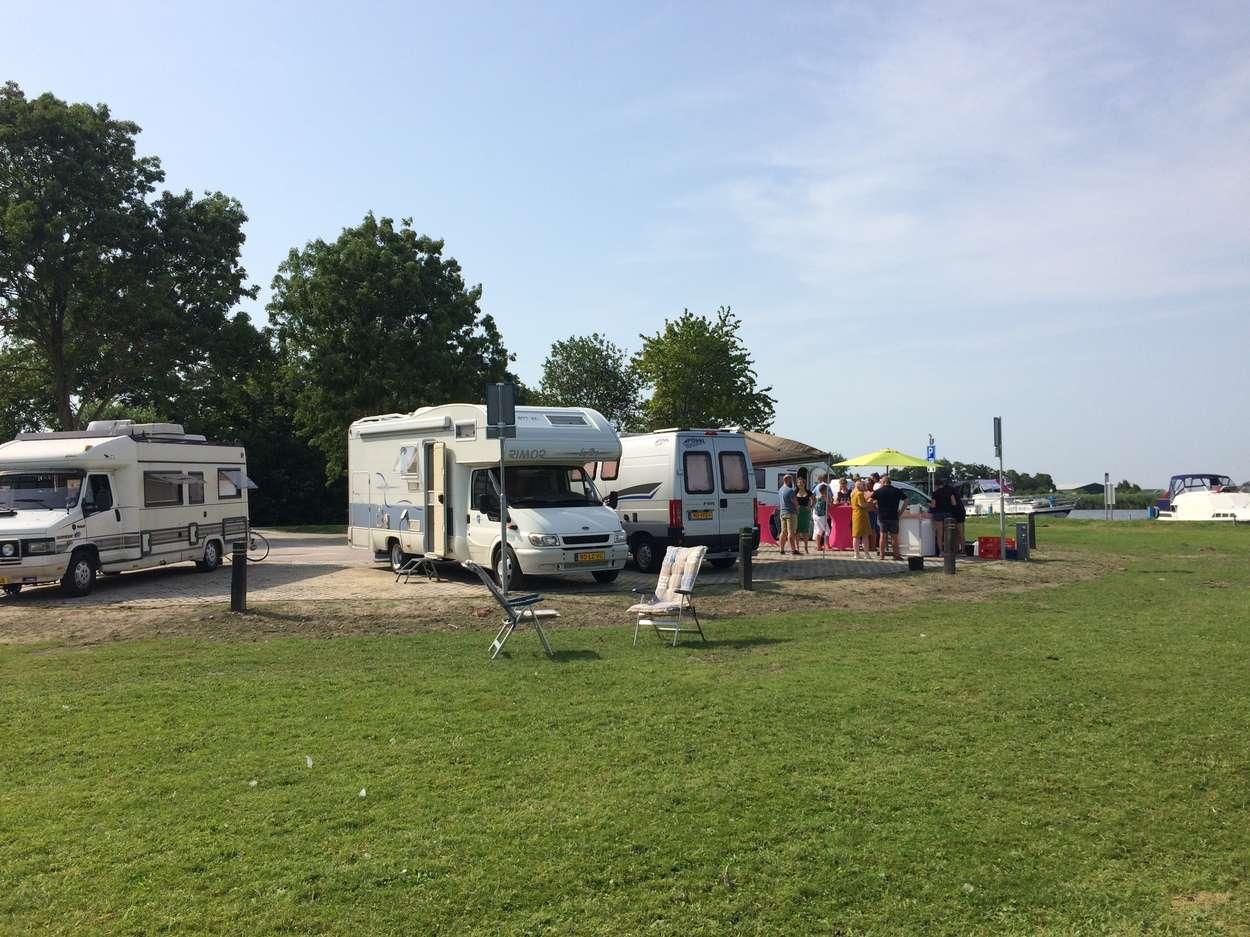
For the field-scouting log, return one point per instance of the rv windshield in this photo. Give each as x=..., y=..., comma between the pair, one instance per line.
x=39, y=491
x=549, y=486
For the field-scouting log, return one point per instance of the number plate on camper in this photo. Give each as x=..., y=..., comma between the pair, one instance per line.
x=700, y=515
x=596, y=556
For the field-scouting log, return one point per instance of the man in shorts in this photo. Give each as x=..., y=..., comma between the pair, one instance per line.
x=946, y=503
x=788, y=515
x=888, y=499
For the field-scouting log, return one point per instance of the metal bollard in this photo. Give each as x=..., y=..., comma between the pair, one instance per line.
x=1032, y=531
x=746, y=540
x=238, y=578
x=1022, y=541
x=948, y=553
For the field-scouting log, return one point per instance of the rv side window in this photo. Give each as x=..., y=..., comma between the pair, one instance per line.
x=98, y=496
x=610, y=469
x=733, y=473
x=228, y=484
x=161, y=489
x=760, y=480
x=589, y=469
x=195, y=488
x=698, y=469
x=409, y=461
x=466, y=431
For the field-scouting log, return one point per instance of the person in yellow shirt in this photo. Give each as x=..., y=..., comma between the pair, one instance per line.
x=860, y=531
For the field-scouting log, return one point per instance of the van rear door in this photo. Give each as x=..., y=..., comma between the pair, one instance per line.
x=736, y=502
x=699, y=492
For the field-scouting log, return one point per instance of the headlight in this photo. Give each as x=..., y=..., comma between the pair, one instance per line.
x=8, y=550
x=40, y=547
x=544, y=540
x=618, y=537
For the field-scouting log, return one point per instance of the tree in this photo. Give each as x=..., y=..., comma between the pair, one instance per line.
x=106, y=296
x=1128, y=486
x=702, y=375
x=377, y=321
x=591, y=371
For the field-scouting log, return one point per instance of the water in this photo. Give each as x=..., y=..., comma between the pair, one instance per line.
x=1116, y=515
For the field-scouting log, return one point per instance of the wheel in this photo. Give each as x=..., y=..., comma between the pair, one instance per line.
x=13, y=589
x=774, y=526
x=646, y=555
x=606, y=575
x=516, y=578
x=398, y=557
x=79, y=575
x=724, y=562
x=212, y=557
x=257, y=547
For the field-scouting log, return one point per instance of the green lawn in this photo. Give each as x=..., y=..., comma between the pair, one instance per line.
x=1063, y=761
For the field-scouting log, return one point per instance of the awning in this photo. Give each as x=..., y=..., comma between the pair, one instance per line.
x=766, y=449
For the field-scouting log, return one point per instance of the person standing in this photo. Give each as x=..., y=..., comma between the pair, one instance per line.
x=870, y=487
x=946, y=503
x=887, y=498
x=803, y=499
x=844, y=492
x=821, y=501
x=787, y=513
x=859, y=520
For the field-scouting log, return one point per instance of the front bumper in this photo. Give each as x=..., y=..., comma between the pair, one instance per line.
x=552, y=561
x=29, y=572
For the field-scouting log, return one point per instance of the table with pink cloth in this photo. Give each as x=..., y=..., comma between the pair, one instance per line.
x=840, y=522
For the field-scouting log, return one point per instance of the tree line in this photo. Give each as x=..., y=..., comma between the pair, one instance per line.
x=119, y=301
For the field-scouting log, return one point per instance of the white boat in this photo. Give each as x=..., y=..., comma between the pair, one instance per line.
x=1204, y=497
x=984, y=498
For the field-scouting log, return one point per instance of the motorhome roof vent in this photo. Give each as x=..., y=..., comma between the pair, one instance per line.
x=157, y=429
x=110, y=427
x=566, y=419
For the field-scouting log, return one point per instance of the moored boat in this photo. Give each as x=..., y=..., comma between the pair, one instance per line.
x=1204, y=497
x=984, y=498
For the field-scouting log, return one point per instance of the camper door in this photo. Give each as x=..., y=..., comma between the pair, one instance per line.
x=361, y=510
x=436, y=500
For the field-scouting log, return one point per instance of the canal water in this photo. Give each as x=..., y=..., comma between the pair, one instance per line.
x=1116, y=515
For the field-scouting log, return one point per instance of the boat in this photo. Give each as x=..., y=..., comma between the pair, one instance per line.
x=1204, y=496
x=983, y=497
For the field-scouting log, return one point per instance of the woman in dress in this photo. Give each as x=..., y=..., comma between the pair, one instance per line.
x=803, y=498
x=822, y=498
x=860, y=530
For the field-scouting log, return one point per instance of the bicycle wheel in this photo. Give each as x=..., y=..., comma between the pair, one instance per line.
x=257, y=547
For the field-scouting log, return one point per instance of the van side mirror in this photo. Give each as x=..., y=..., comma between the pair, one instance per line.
x=612, y=500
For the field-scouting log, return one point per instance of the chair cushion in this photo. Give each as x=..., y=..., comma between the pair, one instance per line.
x=656, y=608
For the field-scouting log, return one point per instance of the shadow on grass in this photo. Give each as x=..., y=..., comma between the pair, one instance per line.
x=731, y=643
x=570, y=657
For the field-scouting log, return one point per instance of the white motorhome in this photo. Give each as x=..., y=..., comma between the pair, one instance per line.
x=113, y=497
x=427, y=483
x=691, y=487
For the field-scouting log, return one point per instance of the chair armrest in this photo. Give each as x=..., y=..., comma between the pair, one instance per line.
x=684, y=591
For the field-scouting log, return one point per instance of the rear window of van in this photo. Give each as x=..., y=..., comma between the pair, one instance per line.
x=733, y=473
x=698, y=469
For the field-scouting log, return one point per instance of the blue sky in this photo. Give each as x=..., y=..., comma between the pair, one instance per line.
x=926, y=215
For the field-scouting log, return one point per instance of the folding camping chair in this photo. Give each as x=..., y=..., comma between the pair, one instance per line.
x=674, y=595
x=518, y=609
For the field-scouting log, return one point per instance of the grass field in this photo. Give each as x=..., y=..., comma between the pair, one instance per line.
x=1072, y=760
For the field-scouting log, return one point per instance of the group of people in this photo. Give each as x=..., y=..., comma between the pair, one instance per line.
x=876, y=505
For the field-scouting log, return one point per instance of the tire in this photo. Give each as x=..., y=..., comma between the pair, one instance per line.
x=516, y=578
x=79, y=576
x=397, y=556
x=212, y=557
x=646, y=556
x=774, y=526
x=606, y=575
x=724, y=562
x=13, y=589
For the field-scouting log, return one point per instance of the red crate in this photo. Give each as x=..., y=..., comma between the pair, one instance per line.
x=989, y=547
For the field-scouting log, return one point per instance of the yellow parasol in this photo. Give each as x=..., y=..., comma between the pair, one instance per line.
x=883, y=457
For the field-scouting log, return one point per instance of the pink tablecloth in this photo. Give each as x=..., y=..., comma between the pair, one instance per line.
x=840, y=520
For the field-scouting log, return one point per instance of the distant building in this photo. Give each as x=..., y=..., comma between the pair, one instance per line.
x=1093, y=488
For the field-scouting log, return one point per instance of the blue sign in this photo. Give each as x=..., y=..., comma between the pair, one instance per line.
x=930, y=453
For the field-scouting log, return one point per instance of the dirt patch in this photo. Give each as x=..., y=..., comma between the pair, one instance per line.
x=1200, y=900
x=69, y=626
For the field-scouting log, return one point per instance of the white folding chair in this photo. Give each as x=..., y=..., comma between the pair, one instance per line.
x=518, y=608
x=672, y=603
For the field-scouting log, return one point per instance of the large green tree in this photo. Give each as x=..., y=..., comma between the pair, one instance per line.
x=108, y=294
x=378, y=321
x=701, y=374
x=592, y=371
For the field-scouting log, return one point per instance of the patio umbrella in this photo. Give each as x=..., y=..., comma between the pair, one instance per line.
x=884, y=457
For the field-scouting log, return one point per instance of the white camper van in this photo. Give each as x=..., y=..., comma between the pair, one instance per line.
x=116, y=496
x=693, y=487
x=427, y=483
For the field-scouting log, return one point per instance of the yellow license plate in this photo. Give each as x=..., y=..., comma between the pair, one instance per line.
x=700, y=515
x=598, y=556
x=3, y=581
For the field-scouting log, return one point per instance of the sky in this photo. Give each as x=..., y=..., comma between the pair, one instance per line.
x=926, y=215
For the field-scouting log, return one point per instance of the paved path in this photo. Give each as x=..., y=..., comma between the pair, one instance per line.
x=322, y=566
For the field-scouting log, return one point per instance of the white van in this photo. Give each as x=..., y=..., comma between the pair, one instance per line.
x=427, y=483
x=118, y=495
x=691, y=487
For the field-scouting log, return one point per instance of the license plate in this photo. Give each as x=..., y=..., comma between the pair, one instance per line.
x=597, y=556
x=3, y=581
x=700, y=515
